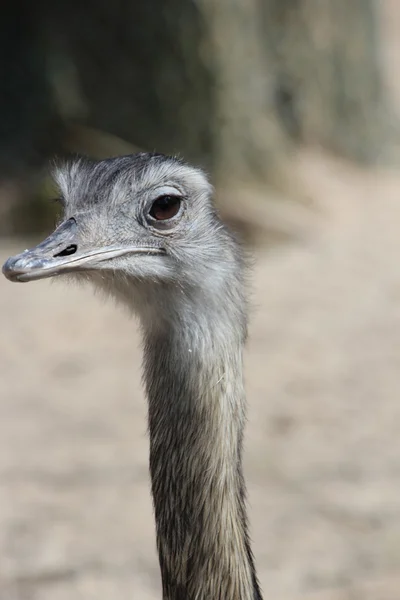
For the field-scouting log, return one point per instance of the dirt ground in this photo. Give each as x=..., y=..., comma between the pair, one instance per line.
x=322, y=443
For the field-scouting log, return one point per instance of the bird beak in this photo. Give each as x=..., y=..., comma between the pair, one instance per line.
x=60, y=253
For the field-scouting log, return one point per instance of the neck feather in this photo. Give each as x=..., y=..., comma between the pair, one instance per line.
x=196, y=399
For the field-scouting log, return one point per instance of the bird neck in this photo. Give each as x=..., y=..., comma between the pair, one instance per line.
x=194, y=384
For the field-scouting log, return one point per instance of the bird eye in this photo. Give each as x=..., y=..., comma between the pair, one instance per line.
x=165, y=207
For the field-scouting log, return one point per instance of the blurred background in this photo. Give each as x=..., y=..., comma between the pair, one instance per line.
x=293, y=108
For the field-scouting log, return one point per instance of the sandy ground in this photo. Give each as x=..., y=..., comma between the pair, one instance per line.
x=322, y=445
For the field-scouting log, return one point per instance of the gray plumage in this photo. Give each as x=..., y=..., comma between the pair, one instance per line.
x=183, y=277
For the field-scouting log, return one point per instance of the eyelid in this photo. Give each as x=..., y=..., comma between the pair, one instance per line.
x=166, y=226
x=166, y=190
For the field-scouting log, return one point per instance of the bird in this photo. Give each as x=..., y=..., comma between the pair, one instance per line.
x=144, y=229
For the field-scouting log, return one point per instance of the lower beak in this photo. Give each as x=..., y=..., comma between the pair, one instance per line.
x=59, y=253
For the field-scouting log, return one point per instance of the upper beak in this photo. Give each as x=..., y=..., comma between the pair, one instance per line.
x=60, y=253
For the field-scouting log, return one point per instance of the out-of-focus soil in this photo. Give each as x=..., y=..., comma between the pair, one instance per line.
x=323, y=439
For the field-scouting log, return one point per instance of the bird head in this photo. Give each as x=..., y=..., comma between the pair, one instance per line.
x=143, y=219
x=143, y=216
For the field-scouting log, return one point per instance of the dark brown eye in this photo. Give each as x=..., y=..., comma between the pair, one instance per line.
x=165, y=207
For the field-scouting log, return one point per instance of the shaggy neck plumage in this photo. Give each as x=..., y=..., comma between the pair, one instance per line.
x=196, y=420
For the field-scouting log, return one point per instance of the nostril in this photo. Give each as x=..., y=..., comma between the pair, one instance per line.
x=71, y=249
